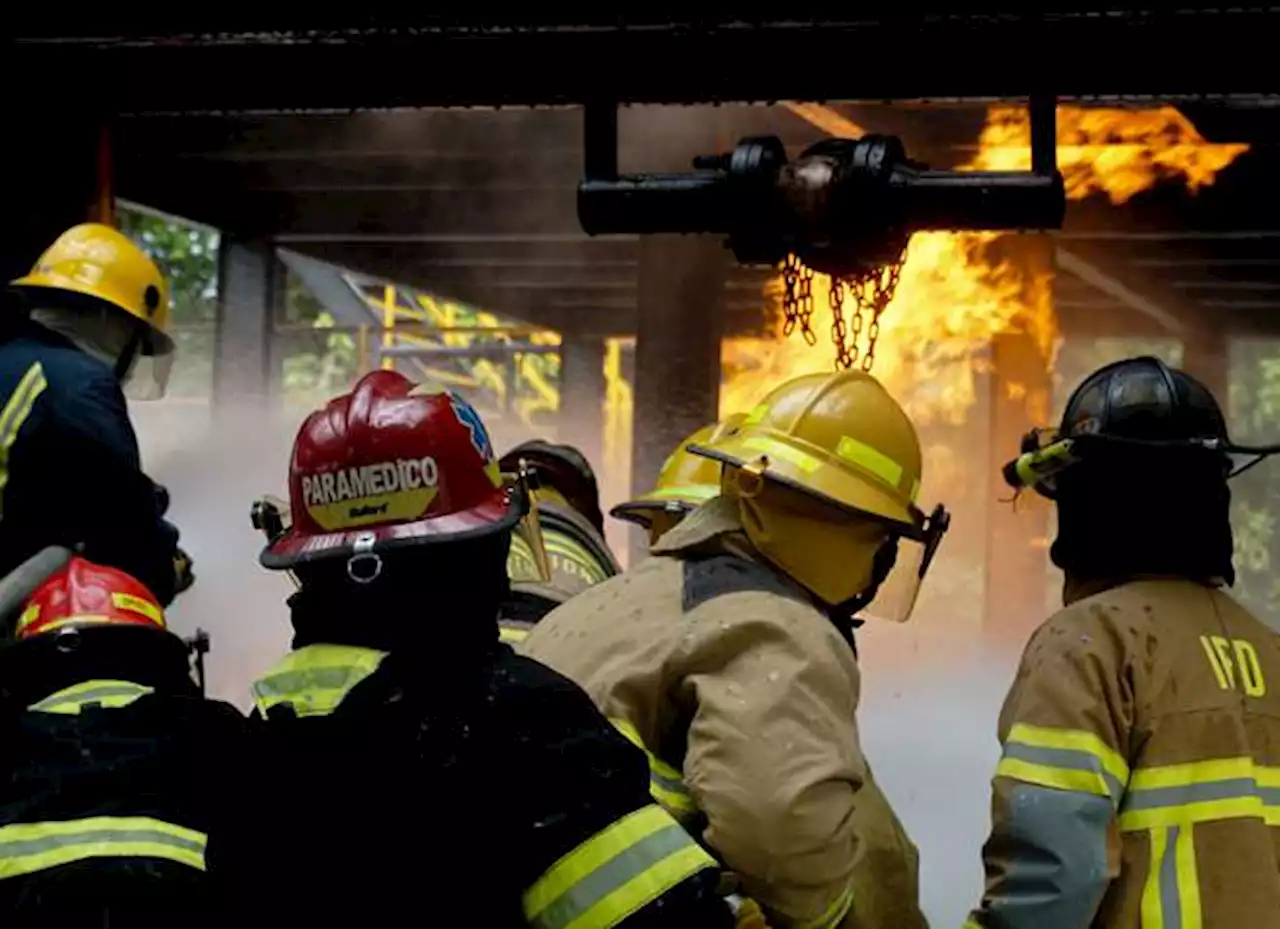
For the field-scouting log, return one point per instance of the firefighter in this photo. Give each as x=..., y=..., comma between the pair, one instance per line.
x=96, y=310
x=727, y=655
x=685, y=482
x=408, y=761
x=565, y=552
x=1139, y=780
x=112, y=761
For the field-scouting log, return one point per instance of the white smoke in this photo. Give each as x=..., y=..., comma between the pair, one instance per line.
x=214, y=470
x=928, y=725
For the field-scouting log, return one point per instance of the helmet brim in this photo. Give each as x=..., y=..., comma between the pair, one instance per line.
x=642, y=509
x=500, y=512
x=157, y=342
x=844, y=490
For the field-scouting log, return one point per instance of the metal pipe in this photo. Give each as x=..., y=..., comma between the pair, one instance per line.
x=104, y=194
x=654, y=203
x=974, y=200
x=1043, y=117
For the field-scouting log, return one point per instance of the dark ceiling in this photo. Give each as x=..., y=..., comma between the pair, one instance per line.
x=479, y=205
x=211, y=60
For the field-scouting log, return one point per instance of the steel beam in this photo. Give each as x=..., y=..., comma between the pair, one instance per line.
x=702, y=59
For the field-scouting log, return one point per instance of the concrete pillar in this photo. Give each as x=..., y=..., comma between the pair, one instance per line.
x=677, y=383
x=582, y=391
x=1016, y=594
x=247, y=286
x=53, y=167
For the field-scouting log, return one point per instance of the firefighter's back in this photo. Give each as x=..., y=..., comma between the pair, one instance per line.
x=111, y=782
x=1200, y=817
x=448, y=791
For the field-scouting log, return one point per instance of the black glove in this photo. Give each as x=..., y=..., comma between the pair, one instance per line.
x=183, y=576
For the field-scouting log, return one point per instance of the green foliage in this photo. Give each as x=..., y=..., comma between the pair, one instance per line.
x=188, y=256
x=324, y=368
x=1255, y=506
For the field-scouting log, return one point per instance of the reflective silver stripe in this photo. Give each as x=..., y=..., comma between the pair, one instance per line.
x=1155, y=797
x=290, y=683
x=1065, y=759
x=624, y=867
x=25, y=847
x=81, y=698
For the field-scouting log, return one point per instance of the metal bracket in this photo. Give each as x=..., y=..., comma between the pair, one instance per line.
x=842, y=204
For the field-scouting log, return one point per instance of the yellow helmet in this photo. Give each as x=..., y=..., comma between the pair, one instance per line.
x=826, y=470
x=101, y=262
x=685, y=482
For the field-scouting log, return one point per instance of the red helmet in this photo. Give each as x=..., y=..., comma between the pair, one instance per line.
x=389, y=465
x=83, y=593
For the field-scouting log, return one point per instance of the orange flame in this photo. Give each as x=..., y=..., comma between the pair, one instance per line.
x=958, y=290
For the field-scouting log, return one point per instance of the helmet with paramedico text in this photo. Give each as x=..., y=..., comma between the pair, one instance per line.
x=391, y=465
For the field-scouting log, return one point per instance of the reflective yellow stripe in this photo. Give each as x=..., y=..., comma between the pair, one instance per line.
x=138, y=605
x=700, y=492
x=106, y=693
x=1201, y=791
x=1171, y=892
x=315, y=678
x=1064, y=759
x=792, y=456
x=14, y=415
x=971, y=923
x=834, y=914
x=870, y=459
x=512, y=634
x=666, y=784
x=616, y=872
x=29, y=847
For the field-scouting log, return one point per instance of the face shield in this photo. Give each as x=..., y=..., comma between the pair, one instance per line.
x=146, y=376
x=902, y=563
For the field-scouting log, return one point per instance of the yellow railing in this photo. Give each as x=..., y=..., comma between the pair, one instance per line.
x=521, y=384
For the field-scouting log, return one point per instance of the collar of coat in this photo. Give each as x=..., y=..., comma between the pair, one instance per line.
x=714, y=527
x=1076, y=589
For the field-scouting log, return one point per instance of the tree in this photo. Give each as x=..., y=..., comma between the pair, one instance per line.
x=188, y=256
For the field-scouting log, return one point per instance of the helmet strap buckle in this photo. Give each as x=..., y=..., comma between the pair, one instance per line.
x=365, y=566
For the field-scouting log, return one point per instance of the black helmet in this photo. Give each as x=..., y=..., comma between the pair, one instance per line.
x=565, y=470
x=1134, y=403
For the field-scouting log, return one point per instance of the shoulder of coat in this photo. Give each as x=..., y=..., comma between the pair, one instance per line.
x=708, y=578
x=1112, y=620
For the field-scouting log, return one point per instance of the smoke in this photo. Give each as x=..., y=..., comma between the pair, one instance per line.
x=214, y=469
x=928, y=726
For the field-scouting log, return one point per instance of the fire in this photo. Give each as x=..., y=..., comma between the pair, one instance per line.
x=958, y=290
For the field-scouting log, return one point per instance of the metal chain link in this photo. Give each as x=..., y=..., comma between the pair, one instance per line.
x=797, y=303
x=872, y=288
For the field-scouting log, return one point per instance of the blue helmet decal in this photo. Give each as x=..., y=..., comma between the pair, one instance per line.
x=468, y=416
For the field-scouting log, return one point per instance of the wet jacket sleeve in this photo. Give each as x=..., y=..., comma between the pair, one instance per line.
x=773, y=757
x=596, y=850
x=1064, y=732
x=113, y=508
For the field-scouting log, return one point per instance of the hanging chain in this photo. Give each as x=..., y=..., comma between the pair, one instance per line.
x=797, y=302
x=872, y=289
